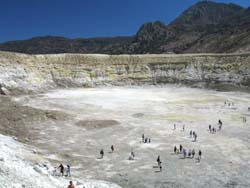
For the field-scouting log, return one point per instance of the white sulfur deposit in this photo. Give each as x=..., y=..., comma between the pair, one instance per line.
x=16, y=172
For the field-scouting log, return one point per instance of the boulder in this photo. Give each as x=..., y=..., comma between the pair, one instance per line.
x=3, y=90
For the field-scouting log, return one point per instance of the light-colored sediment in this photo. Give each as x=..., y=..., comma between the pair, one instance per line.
x=152, y=111
x=39, y=72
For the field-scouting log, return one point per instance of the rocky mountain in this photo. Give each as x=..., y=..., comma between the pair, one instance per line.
x=206, y=27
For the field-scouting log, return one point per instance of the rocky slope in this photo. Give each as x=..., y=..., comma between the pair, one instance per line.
x=21, y=72
x=17, y=171
x=206, y=27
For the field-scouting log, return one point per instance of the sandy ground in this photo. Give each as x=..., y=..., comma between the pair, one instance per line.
x=127, y=113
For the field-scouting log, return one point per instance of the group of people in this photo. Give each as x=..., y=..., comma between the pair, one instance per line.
x=146, y=139
x=213, y=129
x=102, y=151
x=183, y=127
x=228, y=103
x=193, y=134
x=131, y=157
x=190, y=153
x=187, y=153
x=232, y=104
x=62, y=170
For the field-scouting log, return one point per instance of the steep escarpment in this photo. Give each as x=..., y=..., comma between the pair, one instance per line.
x=21, y=72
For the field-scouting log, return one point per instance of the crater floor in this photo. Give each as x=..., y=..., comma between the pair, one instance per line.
x=101, y=117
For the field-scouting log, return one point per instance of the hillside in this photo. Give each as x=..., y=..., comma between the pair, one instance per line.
x=206, y=27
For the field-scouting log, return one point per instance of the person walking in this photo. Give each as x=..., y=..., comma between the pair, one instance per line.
x=200, y=153
x=191, y=134
x=194, y=133
x=195, y=137
x=68, y=171
x=189, y=153
x=181, y=148
x=193, y=153
x=112, y=148
x=132, y=154
x=158, y=160
x=175, y=149
x=102, y=153
x=184, y=153
x=220, y=122
x=61, y=167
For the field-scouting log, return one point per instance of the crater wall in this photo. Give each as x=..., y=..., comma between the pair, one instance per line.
x=21, y=72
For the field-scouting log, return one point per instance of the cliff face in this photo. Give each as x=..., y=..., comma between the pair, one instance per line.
x=20, y=72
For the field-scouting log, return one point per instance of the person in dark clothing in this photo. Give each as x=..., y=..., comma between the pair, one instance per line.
x=191, y=133
x=189, y=153
x=184, y=153
x=195, y=137
x=200, y=153
x=213, y=130
x=143, y=136
x=210, y=128
x=61, y=167
x=193, y=153
x=194, y=133
x=220, y=122
x=133, y=154
x=158, y=160
x=181, y=148
x=175, y=149
x=112, y=148
x=160, y=168
x=102, y=153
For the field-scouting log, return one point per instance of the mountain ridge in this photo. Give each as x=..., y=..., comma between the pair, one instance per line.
x=205, y=27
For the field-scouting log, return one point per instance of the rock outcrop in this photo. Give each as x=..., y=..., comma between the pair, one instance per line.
x=21, y=72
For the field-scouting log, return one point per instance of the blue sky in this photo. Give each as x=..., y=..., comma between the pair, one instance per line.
x=22, y=19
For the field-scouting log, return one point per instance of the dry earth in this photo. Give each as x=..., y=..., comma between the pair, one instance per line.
x=73, y=133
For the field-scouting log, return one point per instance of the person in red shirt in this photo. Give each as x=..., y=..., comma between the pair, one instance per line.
x=71, y=185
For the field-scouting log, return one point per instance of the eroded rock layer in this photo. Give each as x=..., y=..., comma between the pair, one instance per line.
x=21, y=72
